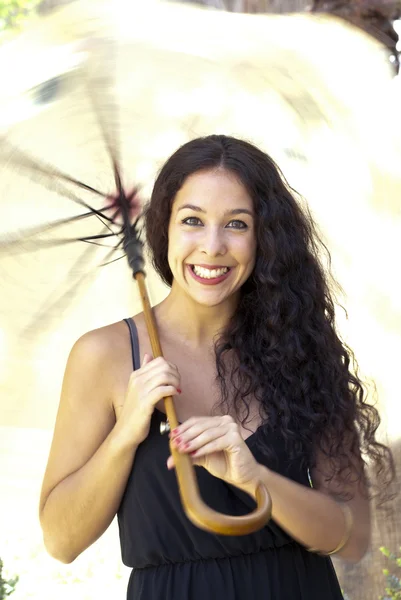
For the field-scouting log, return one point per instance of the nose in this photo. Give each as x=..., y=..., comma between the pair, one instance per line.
x=213, y=242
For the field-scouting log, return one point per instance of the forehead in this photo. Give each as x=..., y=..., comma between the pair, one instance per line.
x=213, y=189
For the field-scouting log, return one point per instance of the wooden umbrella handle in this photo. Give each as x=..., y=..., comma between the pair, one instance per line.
x=196, y=510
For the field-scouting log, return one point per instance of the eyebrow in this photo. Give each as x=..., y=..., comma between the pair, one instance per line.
x=235, y=211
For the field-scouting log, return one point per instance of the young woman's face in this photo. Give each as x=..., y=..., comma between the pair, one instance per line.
x=212, y=243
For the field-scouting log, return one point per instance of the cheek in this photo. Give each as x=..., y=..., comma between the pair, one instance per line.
x=180, y=246
x=181, y=241
x=246, y=251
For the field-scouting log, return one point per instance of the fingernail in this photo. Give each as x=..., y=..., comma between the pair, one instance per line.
x=178, y=390
x=175, y=431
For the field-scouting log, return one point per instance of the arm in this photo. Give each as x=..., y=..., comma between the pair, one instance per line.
x=89, y=463
x=310, y=516
x=91, y=454
x=314, y=518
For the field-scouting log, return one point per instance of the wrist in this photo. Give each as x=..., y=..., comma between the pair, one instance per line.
x=264, y=474
x=260, y=476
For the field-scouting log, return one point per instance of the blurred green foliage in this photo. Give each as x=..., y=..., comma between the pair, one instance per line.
x=13, y=12
x=7, y=587
x=393, y=582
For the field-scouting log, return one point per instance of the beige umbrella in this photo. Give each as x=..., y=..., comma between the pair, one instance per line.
x=175, y=77
x=322, y=102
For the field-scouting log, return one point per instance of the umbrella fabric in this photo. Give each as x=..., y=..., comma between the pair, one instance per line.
x=141, y=86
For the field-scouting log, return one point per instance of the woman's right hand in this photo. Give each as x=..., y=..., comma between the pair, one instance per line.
x=155, y=380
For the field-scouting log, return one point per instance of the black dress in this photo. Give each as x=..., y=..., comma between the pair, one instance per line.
x=174, y=560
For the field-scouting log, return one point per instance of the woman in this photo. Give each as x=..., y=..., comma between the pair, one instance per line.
x=262, y=389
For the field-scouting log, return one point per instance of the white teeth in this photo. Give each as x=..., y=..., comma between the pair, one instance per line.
x=209, y=273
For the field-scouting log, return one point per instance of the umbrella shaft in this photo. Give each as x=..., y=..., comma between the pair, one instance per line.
x=154, y=342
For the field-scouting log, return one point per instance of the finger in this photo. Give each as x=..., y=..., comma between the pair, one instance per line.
x=147, y=358
x=148, y=383
x=159, y=371
x=160, y=361
x=160, y=379
x=225, y=437
x=221, y=444
x=190, y=440
x=171, y=463
x=195, y=426
x=163, y=391
x=151, y=363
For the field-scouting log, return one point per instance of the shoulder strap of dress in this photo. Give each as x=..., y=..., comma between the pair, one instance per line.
x=134, y=343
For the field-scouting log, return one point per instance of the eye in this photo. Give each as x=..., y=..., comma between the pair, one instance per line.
x=237, y=224
x=194, y=222
x=190, y=221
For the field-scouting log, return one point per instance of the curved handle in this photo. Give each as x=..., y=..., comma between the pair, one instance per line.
x=200, y=513
x=196, y=510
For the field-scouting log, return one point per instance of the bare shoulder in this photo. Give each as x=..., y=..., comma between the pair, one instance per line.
x=102, y=349
x=102, y=343
x=105, y=355
x=97, y=371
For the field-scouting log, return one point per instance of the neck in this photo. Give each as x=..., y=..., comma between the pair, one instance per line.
x=194, y=324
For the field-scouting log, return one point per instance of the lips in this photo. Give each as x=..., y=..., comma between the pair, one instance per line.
x=214, y=280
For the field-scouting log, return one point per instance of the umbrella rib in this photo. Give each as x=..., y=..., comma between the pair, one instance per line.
x=111, y=254
x=29, y=233
x=110, y=146
x=39, y=244
x=37, y=167
x=50, y=171
x=92, y=240
x=44, y=228
x=112, y=261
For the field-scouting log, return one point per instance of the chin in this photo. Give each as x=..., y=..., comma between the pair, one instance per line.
x=212, y=302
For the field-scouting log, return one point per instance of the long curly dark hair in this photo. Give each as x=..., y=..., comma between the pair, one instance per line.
x=288, y=353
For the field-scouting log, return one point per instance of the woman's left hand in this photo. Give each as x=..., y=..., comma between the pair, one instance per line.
x=216, y=444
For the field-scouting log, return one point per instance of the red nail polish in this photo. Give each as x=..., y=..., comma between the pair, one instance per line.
x=178, y=390
x=177, y=440
x=174, y=432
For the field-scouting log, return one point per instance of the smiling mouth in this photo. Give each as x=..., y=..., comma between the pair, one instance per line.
x=207, y=275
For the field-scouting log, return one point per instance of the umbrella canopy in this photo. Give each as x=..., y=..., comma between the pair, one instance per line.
x=141, y=83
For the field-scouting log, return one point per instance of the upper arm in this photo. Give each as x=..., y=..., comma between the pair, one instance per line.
x=85, y=415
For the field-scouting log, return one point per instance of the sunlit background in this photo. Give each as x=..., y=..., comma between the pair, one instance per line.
x=316, y=92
